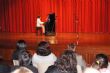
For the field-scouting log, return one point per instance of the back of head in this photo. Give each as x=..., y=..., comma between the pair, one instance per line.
x=22, y=70
x=52, y=69
x=25, y=58
x=100, y=62
x=43, y=48
x=21, y=45
x=67, y=62
x=38, y=16
x=71, y=46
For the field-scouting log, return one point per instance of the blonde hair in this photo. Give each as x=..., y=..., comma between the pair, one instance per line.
x=22, y=70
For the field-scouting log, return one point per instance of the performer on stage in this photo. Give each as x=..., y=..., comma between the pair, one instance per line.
x=40, y=24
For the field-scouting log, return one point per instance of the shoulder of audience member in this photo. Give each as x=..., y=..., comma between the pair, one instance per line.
x=91, y=70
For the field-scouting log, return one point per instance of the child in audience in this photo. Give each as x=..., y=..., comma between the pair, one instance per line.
x=102, y=61
x=20, y=46
x=43, y=58
x=100, y=65
x=21, y=57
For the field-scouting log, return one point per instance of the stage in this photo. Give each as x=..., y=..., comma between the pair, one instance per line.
x=88, y=44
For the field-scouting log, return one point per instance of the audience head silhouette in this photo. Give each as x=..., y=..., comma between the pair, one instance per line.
x=67, y=62
x=101, y=61
x=21, y=45
x=43, y=48
x=52, y=69
x=72, y=46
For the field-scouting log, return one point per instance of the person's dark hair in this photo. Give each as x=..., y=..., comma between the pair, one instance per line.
x=102, y=60
x=25, y=58
x=38, y=16
x=21, y=45
x=71, y=46
x=67, y=62
x=52, y=69
x=43, y=48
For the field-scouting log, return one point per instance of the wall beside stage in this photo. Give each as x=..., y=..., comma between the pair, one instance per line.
x=19, y=16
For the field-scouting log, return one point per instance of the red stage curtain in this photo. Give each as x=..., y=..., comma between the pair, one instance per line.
x=71, y=15
x=108, y=14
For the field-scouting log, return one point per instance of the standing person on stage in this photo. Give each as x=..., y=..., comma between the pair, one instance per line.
x=40, y=24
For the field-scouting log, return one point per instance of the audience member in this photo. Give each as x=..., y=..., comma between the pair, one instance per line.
x=21, y=57
x=102, y=61
x=99, y=65
x=43, y=58
x=79, y=58
x=20, y=46
x=67, y=63
x=24, y=58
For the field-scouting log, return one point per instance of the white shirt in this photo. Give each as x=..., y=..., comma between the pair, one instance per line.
x=81, y=61
x=108, y=65
x=43, y=62
x=79, y=70
x=104, y=70
x=39, y=22
x=91, y=70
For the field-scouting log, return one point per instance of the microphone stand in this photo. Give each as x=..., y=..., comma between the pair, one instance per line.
x=77, y=36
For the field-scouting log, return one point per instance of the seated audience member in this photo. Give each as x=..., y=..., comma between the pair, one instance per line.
x=43, y=58
x=93, y=69
x=79, y=58
x=20, y=46
x=102, y=61
x=22, y=70
x=25, y=59
x=67, y=63
x=100, y=64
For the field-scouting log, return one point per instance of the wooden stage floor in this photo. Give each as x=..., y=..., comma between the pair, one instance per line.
x=8, y=40
x=87, y=42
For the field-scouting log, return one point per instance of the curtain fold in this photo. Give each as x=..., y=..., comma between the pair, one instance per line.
x=19, y=16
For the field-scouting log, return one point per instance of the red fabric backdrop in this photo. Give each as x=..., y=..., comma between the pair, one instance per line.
x=71, y=15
